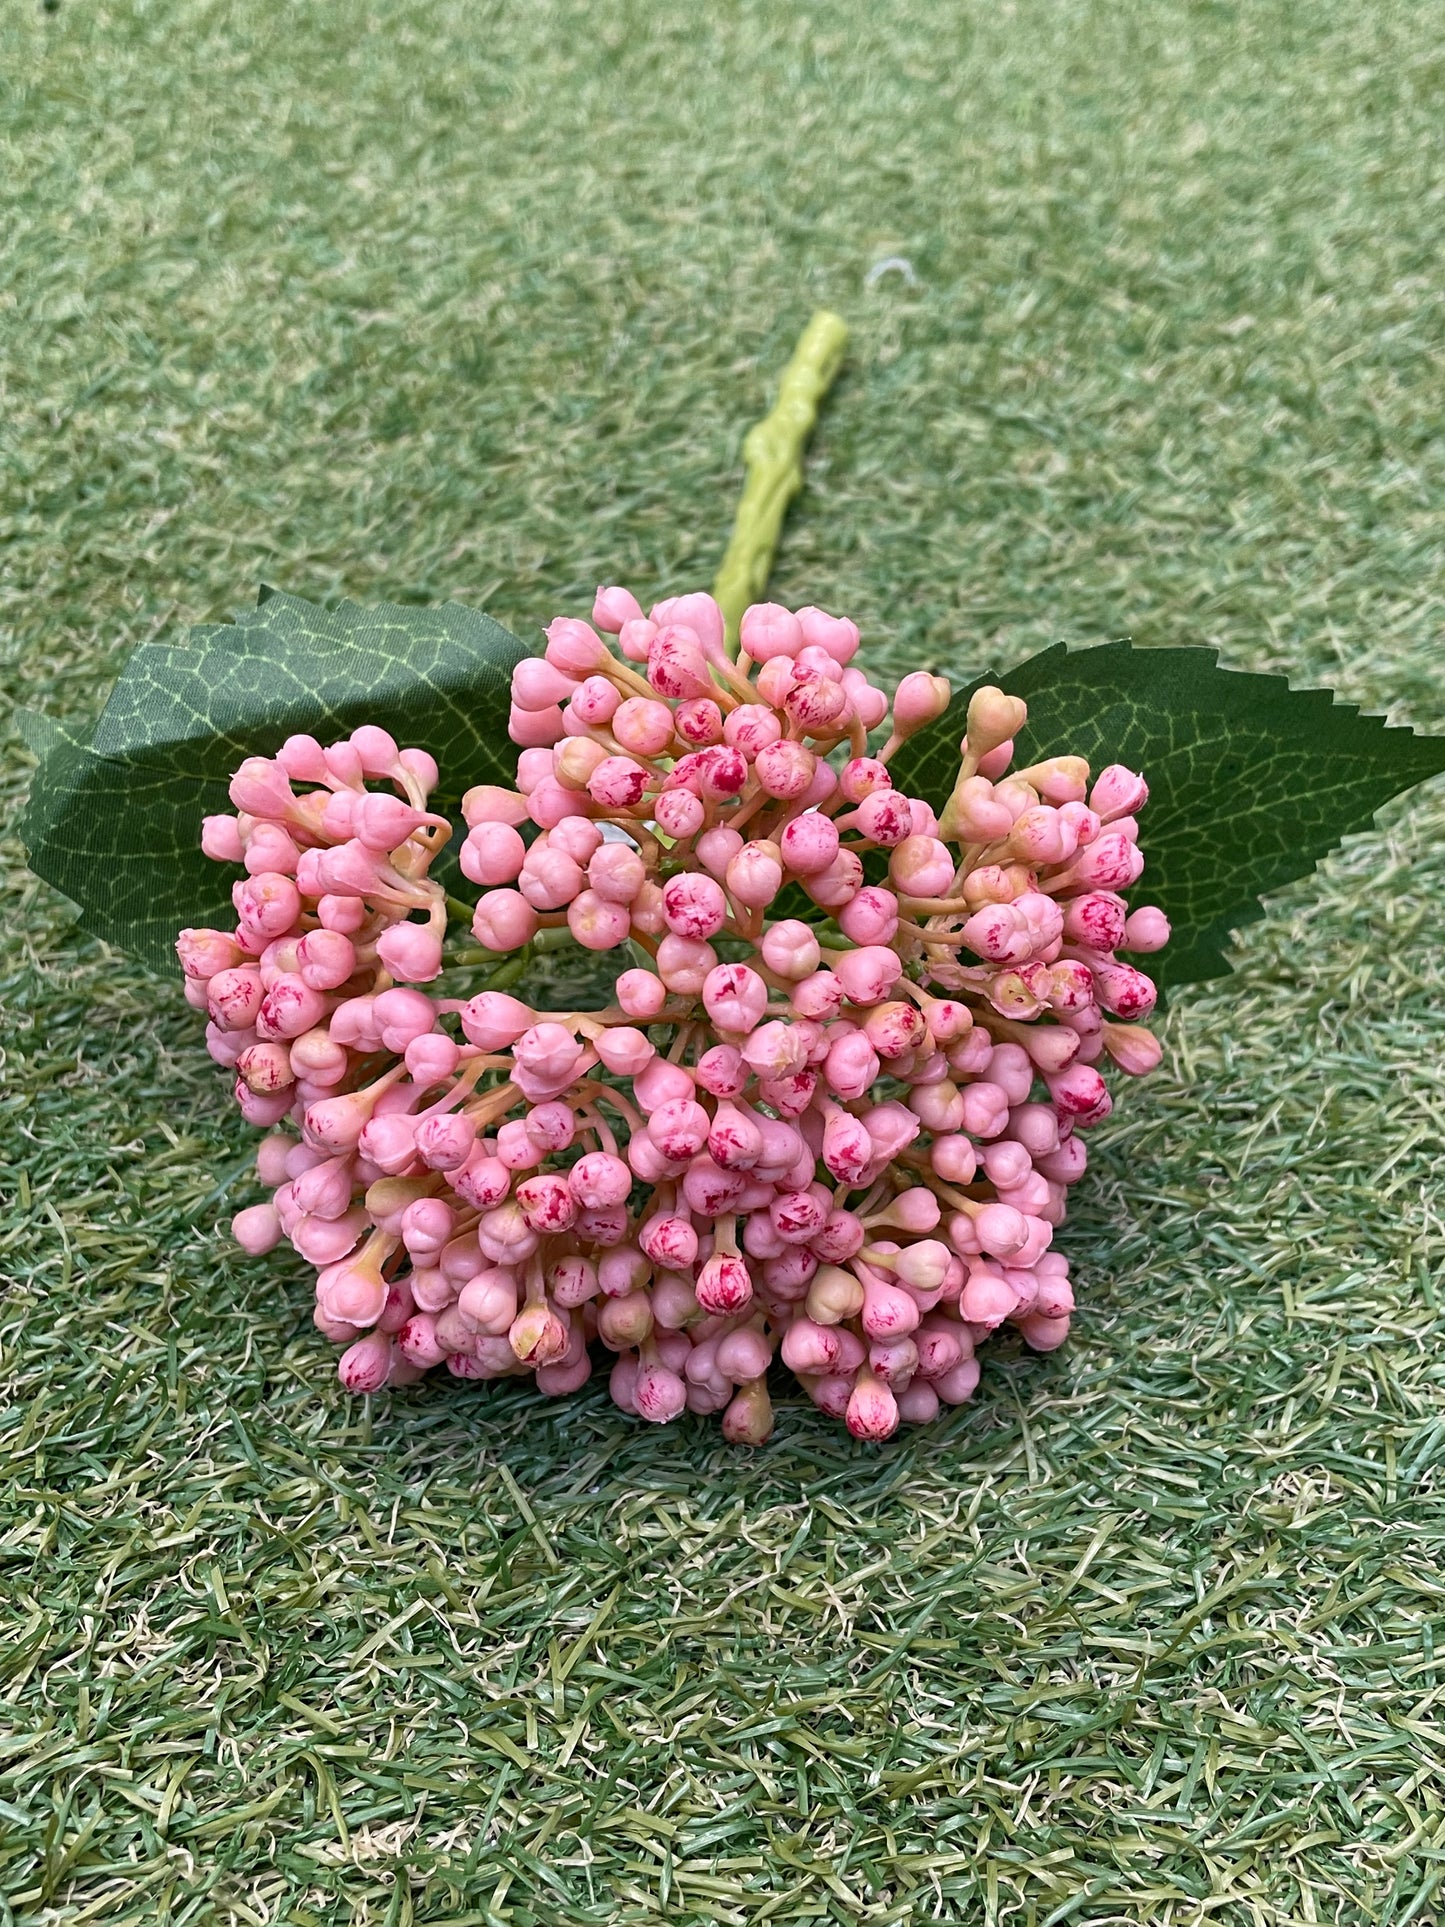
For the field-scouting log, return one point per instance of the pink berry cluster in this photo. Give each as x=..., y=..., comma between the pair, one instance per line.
x=849, y=1139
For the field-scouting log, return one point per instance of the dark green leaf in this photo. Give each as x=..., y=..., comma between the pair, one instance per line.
x=115, y=823
x=1250, y=782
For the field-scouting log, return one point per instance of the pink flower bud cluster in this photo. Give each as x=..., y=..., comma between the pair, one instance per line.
x=847, y=1139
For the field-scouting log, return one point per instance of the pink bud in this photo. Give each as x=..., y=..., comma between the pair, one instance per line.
x=634, y=638
x=679, y=814
x=767, y=630
x=1145, y=929
x=536, y=728
x=724, y=1284
x=976, y=815
x=205, y=953
x=868, y=973
x=676, y=666
x=709, y=1191
x=325, y=959
x=417, y=1341
x=640, y=993
x=257, y=1229
x=549, y=878
x=755, y=875
x=363, y=1366
x=401, y=1015
x=426, y=1226
x=808, y=1347
x=698, y=721
x=1095, y=920
x=482, y=1181
x=1110, y=863
x=504, y=1236
x=1118, y=792
x=445, y=1143
x=375, y=750
x=260, y=787
x=303, y=759
x=538, y=685
x=852, y=1066
x=838, y=884
x=493, y=853
x=486, y=803
x=1080, y=1093
x=548, y=1051
x=504, y=920
x=550, y=803
x=986, y=1109
x=658, y=1395
x=872, y=1411
x=289, y=1007
x=1124, y=991
x=839, y=1238
x=494, y=1021
x=847, y=1147
x=721, y=1070
x=612, y=607
x=922, y=866
x=919, y=699
x=538, y=1336
x=617, y=783
x=788, y=1275
x=599, y=1179
x=790, y=949
x=798, y=1216
x=734, y=997
x=716, y=849
x=574, y=648
x=624, y=1050
x=670, y=1242
x=744, y=1354
x=268, y=847
x=221, y=839
x=1135, y=1050
x=751, y=727
x=679, y=1128
x=354, y=1292
x=999, y=932
x=643, y=726
x=694, y=905
x=342, y=913
x=683, y=964
x=775, y=1049
x=384, y=822
x=816, y=704
x=818, y=998
x=596, y=923
x=1041, y=836
x=809, y=843
x=266, y=1067
x=835, y=634
x=411, y=951
x=696, y=611
x=871, y=917
x=268, y=904
x=734, y=1140
x=1001, y=1230
x=661, y=1083
x=885, y=818
x=785, y=769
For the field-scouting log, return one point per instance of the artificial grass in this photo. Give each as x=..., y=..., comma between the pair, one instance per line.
x=470, y=301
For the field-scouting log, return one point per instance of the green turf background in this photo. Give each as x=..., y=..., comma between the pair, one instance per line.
x=421, y=299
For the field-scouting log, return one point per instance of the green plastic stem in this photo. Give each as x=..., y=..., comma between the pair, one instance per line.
x=773, y=456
